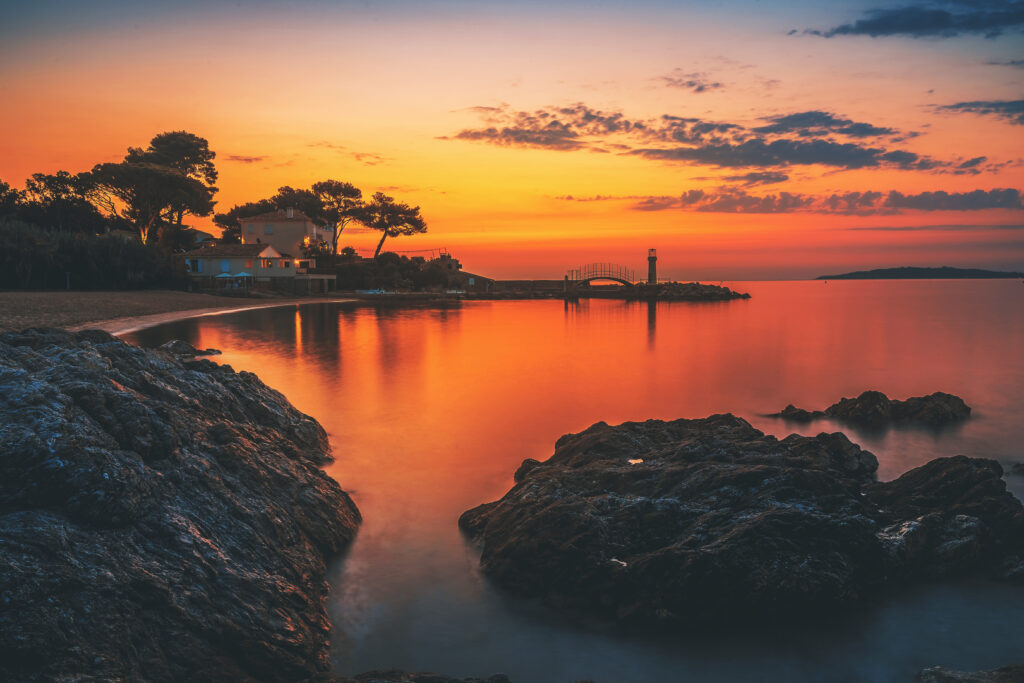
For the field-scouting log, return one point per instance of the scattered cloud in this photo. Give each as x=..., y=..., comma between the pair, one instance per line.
x=942, y=228
x=755, y=178
x=369, y=159
x=739, y=200
x=1011, y=110
x=786, y=152
x=956, y=201
x=820, y=123
x=1016, y=63
x=697, y=82
x=800, y=138
x=935, y=19
x=243, y=159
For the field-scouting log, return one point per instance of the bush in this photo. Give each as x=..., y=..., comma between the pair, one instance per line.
x=35, y=258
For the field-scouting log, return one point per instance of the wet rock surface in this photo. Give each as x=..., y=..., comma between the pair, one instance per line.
x=396, y=676
x=693, y=523
x=183, y=349
x=160, y=519
x=874, y=409
x=1013, y=673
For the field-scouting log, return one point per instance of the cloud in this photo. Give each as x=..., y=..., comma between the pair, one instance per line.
x=368, y=158
x=942, y=228
x=757, y=178
x=785, y=152
x=697, y=82
x=956, y=201
x=1016, y=63
x=801, y=138
x=736, y=200
x=818, y=123
x=936, y=18
x=1011, y=110
x=243, y=159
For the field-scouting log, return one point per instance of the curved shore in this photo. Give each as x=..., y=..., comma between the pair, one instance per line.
x=124, y=312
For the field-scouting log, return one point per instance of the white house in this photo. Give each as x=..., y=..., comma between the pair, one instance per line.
x=254, y=266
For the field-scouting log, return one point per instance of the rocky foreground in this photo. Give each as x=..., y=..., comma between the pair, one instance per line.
x=693, y=523
x=160, y=519
x=875, y=410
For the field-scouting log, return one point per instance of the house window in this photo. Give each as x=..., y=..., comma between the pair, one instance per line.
x=266, y=263
x=248, y=263
x=225, y=266
x=252, y=228
x=285, y=263
x=268, y=229
x=303, y=264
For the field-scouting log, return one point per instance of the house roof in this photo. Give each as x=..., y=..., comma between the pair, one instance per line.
x=276, y=217
x=234, y=251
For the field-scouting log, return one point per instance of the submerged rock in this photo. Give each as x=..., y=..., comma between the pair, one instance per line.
x=1013, y=673
x=874, y=409
x=177, y=347
x=696, y=522
x=159, y=519
x=397, y=676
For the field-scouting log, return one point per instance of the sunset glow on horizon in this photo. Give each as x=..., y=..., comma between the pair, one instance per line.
x=745, y=141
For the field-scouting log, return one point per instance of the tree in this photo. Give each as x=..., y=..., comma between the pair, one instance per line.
x=188, y=154
x=149, y=195
x=341, y=203
x=393, y=219
x=62, y=201
x=10, y=200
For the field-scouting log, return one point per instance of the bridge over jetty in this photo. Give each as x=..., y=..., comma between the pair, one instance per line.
x=600, y=271
x=577, y=277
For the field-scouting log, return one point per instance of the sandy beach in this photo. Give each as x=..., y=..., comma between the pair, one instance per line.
x=118, y=312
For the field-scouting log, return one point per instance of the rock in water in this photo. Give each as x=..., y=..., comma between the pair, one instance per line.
x=875, y=410
x=182, y=349
x=696, y=522
x=159, y=519
x=1013, y=673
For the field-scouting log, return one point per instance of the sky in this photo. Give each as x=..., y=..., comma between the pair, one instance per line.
x=743, y=139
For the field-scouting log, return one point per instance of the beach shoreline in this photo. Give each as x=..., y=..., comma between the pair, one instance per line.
x=121, y=312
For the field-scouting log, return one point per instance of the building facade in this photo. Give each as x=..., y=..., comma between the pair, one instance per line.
x=254, y=266
x=288, y=231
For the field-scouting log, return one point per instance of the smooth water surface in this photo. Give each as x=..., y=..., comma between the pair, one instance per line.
x=431, y=409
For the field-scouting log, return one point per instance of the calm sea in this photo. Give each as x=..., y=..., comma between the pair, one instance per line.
x=431, y=409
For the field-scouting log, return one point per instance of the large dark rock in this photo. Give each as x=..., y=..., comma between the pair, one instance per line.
x=873, y=409
x=159, y=519
x=696, y=522
x=398, y=676
x=1013, y=673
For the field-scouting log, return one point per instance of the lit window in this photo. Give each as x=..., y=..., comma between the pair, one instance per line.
x=285, y=263
x=248, y=263
x=266, y=263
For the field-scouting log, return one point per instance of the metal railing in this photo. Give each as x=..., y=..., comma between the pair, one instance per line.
x=595, y=271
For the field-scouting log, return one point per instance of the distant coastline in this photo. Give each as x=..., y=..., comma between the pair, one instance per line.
x=912, y=273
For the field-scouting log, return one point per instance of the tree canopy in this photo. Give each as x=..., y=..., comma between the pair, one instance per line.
x=392, y=219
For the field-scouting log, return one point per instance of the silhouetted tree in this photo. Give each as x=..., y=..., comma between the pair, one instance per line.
x=392, y=219
x=148, y=195
x=186, y=153
x=10, y=200
x=340, y=204
x=61, y=201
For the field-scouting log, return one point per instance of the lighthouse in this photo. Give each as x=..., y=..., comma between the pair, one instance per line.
x=652, y=266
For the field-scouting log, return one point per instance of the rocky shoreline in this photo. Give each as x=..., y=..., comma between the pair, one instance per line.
x=160, y=519
x=875, y=410
x=709, y=522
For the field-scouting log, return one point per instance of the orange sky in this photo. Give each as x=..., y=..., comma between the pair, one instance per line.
x=368, y=95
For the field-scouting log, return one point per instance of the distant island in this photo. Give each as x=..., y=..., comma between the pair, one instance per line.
x=912, y=273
